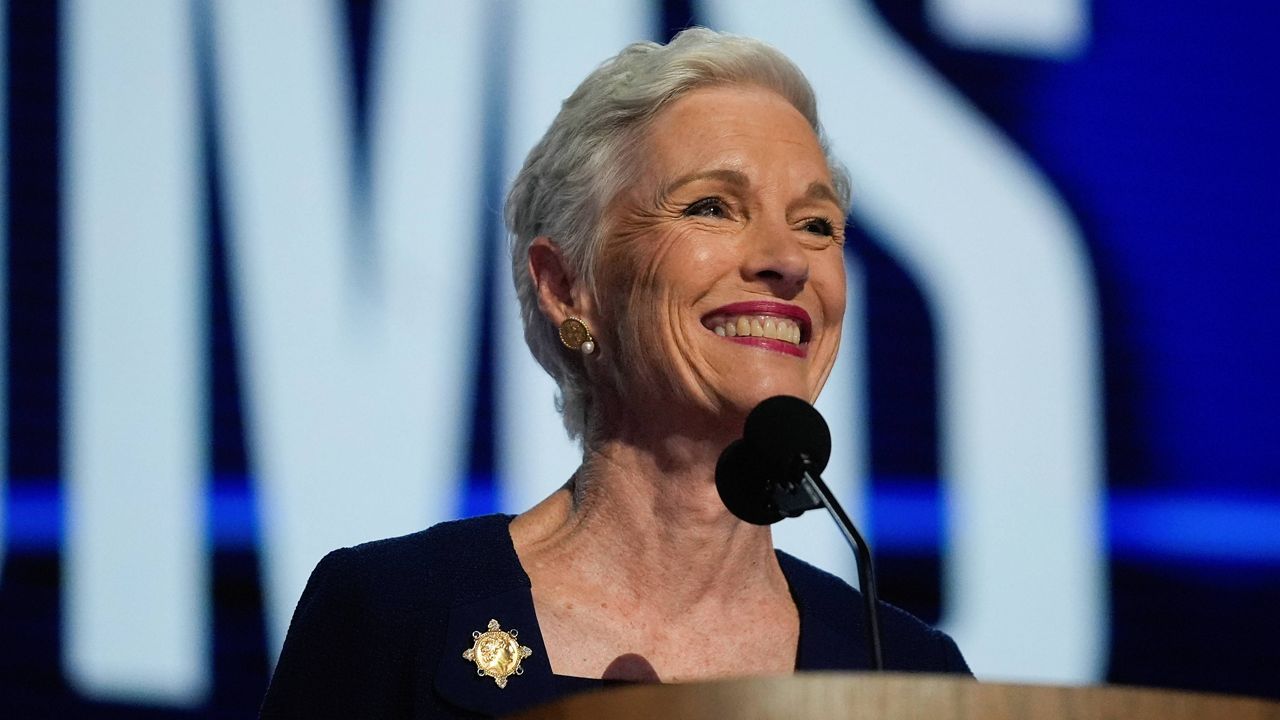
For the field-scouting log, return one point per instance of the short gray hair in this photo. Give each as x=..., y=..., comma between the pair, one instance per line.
x=581, y=164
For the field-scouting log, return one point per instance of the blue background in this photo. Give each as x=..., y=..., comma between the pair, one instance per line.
x=1162, y=137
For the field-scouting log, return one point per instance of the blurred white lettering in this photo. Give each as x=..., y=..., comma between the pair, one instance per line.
x=355, y=307
x=136, y=576
x=1051, y=28
x=1002, y=267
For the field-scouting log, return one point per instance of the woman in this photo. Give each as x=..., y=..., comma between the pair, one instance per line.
x=677, y=252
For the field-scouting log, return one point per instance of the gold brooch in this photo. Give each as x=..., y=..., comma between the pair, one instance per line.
x=497, y=653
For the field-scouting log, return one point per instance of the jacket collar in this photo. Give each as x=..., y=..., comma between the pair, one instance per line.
x=831, y=634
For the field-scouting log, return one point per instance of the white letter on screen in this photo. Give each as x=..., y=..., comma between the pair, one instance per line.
x=355, y=329
x=555, y=45
x=1051, y=28
x=1004, y=271
x=136, y=577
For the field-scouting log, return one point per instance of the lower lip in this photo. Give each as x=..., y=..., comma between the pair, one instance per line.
x=770, y=344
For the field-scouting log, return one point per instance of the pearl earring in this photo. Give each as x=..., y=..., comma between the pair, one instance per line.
x=575, y=335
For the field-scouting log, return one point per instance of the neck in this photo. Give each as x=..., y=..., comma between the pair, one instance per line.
x=640, y=507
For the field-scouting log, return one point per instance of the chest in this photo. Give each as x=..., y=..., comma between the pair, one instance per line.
x=625, y=641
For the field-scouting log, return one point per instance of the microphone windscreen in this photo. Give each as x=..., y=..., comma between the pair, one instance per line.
x=785, y=427
x=744, y=486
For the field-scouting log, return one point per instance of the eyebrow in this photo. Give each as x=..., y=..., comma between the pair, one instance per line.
x=817, y=189
x=731, y=177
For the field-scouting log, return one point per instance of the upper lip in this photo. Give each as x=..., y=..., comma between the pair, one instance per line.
x=766, y=307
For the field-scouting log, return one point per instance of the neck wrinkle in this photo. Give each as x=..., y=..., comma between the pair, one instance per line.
x=650, y=523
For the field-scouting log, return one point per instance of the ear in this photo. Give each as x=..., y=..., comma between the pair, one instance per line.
x=560, y=292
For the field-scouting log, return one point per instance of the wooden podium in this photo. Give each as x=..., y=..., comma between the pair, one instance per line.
x=839, y=696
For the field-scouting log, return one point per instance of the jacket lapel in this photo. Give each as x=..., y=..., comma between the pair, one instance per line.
x=832, y=633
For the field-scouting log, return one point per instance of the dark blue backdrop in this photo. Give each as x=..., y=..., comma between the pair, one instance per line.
x=1161, y=136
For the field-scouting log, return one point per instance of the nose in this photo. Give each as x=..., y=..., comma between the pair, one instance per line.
x=774, y=258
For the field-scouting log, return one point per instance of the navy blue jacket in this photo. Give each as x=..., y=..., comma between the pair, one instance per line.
x=380, y=630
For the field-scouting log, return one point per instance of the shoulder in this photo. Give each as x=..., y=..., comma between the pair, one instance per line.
x=432, y=564
x=829, y=605
x=473, y=538
x=371, y=618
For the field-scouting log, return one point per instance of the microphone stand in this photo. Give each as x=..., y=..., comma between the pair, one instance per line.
x=810, y=493
x=866, y=573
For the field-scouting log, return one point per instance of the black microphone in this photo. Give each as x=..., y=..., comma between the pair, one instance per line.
x=774, y=472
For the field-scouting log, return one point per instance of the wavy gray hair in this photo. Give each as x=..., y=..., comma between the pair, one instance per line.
x=583, y=162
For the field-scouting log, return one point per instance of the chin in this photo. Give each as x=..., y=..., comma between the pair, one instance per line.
x=744, y=399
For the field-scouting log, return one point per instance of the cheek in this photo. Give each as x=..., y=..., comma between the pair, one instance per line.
x=652, y=271
x=830, y=284
x=654, y=283
x=634, y=291
x=678, y=279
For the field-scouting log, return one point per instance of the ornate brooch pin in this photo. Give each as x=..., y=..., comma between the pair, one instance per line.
x=497, y=653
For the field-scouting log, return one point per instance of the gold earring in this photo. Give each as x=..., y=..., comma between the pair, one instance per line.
x=575, y=335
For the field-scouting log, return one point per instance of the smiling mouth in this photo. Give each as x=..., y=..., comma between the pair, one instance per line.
x=758, y=326
x=774, y=326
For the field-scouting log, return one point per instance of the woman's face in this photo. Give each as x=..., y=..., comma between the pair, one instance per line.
x=722, y=275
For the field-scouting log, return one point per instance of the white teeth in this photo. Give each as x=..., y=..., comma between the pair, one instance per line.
x=761, y=326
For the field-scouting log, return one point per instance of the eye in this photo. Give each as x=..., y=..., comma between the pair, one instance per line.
x=820, y=226
x=712, y=207
x=824, y=228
